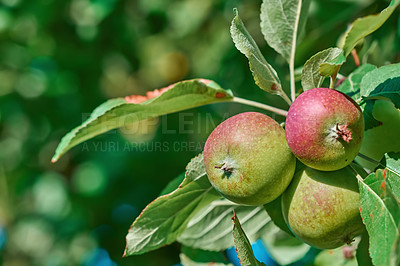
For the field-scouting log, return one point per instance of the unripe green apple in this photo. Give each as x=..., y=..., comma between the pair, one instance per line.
x=324, y=129
x=248, y=160
x=322, y=208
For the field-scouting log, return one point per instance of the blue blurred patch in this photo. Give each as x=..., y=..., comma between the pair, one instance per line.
x=98, y=257
x=3, y=237
x=260, y=253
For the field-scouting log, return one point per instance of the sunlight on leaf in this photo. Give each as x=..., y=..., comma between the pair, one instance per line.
x=364, y=26
x=380, y=214
x=210, y=228
x=282, y=22
x=382, y=82
x=331, y=67
x=164, y=219
x=351, y=85
x=114, y=113
x=264, y=75
x=311, y=76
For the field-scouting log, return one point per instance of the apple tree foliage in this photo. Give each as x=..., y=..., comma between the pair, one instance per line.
x=196, y=216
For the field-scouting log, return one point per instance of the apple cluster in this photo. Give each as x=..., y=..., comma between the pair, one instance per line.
x=252, y=160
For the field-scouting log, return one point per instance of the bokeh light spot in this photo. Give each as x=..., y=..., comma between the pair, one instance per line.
x=32, y=84
x=33, y=237
x=24, y=28
x=5, y=19
x=80, y=246
x=89, y=179
x=11, y=3
x=7, y=78
x=50, y=195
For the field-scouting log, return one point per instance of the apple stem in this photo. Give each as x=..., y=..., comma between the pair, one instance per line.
x=285, y=97
x=359, y=178
x=365, y=157
x=261, y=106
x=333, y=80
x=292, y=80
x=343, y=132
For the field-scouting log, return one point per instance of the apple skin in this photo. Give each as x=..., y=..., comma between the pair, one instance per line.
x=247, y=159
x=322, y=208
x=324, y=129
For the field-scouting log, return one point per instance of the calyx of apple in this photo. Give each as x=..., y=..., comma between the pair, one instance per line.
x=247, y=159
x=324, y=129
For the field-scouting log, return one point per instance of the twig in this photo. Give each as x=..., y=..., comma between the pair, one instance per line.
x=355, y=57
x=260, y=105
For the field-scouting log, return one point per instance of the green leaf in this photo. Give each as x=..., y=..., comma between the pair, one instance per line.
x=351, y=85
x=264, y=75
x=173, y=184
x=389, y=89
x=187, y=261
x=311, y=76
x=393, y=162
x=384, y=137
x=379, y=183
x=332, y=66
x=380, y=216
x=163, y=220
x=362, y=252
x=336, y=257
x=281, y=23
x=284, y=248
x=369, y=119
x=393, y=173
x=199, y=257
x=243, y=246
x=114, y=113
x=374, y=78
x=210, y=228
x=364, y=26
x=195, y=168
x=395, y=256
x=274, y=210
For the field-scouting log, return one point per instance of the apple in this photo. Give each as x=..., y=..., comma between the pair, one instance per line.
x=324, y=129
x=322, y=207
x=247, y=159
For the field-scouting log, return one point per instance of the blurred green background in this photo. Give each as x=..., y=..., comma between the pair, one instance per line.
x=60, y=59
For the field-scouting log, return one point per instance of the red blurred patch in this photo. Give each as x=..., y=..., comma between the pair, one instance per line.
x=149, y=95
x=220, y=95
x=152, y=94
